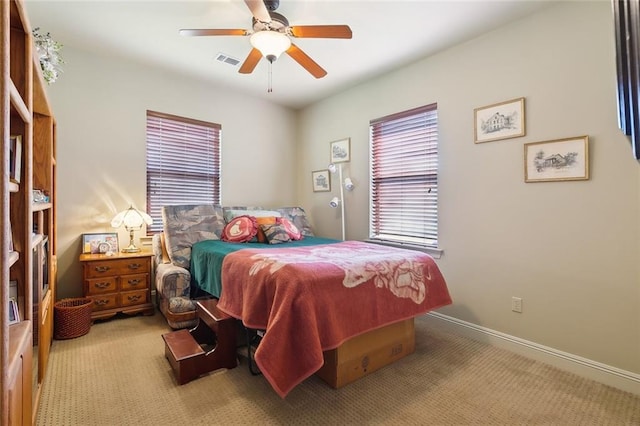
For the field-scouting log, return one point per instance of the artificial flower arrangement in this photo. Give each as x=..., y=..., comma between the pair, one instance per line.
x=49, y=55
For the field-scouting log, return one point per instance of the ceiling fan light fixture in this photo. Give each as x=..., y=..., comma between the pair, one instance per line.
x=270, y=43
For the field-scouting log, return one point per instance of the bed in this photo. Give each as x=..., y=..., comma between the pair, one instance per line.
x=314, y=294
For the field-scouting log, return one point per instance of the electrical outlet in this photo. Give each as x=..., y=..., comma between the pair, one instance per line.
x=516, y=304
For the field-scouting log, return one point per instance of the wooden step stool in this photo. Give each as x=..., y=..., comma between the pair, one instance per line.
x=207, y=347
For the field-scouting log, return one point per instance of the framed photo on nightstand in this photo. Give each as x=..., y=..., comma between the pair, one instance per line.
x=100, y=243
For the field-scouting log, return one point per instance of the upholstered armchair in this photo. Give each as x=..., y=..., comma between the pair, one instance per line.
x=173, y=287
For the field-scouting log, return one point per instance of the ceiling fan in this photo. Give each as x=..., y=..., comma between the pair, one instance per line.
x=271, y=35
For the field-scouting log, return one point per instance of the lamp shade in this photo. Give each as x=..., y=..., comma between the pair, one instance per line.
x=335, y=202
x=131, y=219
x=270, y=43
x=348, y=184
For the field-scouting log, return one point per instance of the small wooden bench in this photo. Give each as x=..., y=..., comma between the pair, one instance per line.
x=209, y=346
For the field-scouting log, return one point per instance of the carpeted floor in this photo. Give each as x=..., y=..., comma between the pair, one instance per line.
x=117, y=375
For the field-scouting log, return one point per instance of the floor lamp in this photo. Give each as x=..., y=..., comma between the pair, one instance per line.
x=335, y=201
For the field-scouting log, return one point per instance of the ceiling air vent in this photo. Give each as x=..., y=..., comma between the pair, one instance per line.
x=227, y=59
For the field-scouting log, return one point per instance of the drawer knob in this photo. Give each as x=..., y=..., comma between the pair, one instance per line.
x=134, y=266
x=101, y=285
x=101, y=302
x=134, y=281
x=102, y=268
x=134, y=298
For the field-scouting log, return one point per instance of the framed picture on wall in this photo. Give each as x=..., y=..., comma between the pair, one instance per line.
x=503, y=120
x=340, y=151
x=557, y=160
x=321, y=181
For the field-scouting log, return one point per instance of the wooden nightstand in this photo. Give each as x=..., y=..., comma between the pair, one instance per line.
x=118, y=283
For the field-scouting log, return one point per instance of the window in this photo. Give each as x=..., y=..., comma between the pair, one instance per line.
x=183, y=163
x=404, y=177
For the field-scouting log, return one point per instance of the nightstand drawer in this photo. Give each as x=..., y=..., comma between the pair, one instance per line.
x=101, y=285
x=133, y=282
x=130, y=298
x=105, y=301
x=101, y=268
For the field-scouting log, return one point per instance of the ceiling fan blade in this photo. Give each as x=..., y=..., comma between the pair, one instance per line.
x=213, y=32
x=307, y=63
x=258, y=10
x=250, y=63
x=321, y=31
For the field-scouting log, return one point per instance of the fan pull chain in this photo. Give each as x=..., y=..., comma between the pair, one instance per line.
x=270, y=83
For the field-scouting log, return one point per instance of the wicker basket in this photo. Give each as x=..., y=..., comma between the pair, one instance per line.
x=72, y=318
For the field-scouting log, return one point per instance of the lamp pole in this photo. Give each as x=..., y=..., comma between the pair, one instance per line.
x=341, y=201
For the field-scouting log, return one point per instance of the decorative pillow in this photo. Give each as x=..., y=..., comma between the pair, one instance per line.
x=230, y=213
x=275, y=234
x=185, y=225
x=240, y=229
x=226, y=209
x=266, y=220
x=298, y=217
x=292, y=230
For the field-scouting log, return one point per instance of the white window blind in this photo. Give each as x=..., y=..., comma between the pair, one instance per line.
x=404, y=177
x=183, y=163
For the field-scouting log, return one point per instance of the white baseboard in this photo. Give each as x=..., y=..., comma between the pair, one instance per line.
x=603, y=373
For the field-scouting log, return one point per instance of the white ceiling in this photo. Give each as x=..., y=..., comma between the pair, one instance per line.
x=386, y=35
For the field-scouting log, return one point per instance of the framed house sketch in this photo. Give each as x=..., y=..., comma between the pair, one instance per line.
x=340, y=151
x=321, y=181
x=557, y=160
x=503, y=120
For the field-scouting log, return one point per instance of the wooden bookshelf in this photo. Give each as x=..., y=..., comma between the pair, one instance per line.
x=28, y=227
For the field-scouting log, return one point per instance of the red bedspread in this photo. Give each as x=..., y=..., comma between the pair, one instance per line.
x=311, y=299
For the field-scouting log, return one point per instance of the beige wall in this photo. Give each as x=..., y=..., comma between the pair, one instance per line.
x=100, y=106
x=570, y=250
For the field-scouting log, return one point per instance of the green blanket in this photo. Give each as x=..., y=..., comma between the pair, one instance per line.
x=207, y=257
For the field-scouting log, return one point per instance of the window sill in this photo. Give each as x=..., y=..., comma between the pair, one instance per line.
x=434, y=252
